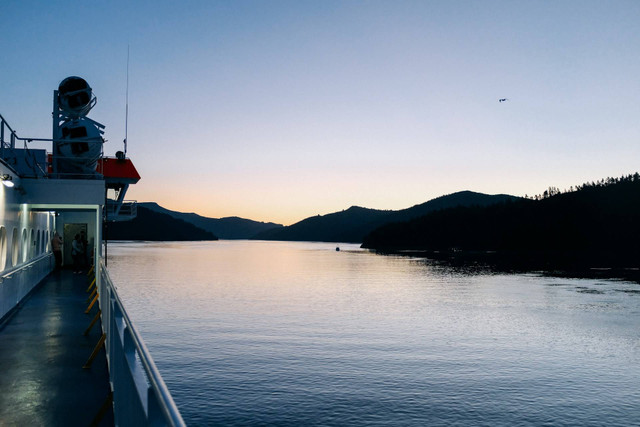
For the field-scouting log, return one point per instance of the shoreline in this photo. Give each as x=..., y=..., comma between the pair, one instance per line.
x=556, y=264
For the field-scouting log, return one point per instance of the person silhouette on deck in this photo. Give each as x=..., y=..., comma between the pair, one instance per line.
x=77, y=252
x=56, y=246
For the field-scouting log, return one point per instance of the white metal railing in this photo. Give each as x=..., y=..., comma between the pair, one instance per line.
x=17, y=282
x=140, y=396
x=11, y=142
x=124, y=211
x=45, y=167
x=45, y=256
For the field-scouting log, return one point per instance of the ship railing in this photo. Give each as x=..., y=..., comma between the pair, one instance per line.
x=30, y=162
x=18, y=281
x=36, y=162
x=87, y=166
x=140, y=396
x=121, y=211
x=7, y=136
x=39, y=259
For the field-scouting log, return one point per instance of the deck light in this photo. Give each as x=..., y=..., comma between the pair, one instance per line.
x=7, y=180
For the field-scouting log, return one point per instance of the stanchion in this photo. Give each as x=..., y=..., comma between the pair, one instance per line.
x=103, y=410
x=95, y=298
x=95, y=351
x=93, y=283
x=93, y=322
x=95, y=290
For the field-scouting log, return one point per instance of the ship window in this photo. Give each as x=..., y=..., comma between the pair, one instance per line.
x=25, y=245
x=32, y=244
x=48, y=241
x=3, y=247
x=39, y=243
x=15, y=247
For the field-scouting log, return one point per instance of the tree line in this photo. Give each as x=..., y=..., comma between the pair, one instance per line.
x=597, y=222
x=554, y=191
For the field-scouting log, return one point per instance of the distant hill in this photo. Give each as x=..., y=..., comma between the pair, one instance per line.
x=224, y=228
x=346, y=226
x=155, y=226
x=597, y=223
x=353, y=224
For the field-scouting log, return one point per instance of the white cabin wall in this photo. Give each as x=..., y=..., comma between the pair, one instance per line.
x=25, y=237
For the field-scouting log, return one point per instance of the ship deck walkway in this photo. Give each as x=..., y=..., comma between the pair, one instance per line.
x=42, y=353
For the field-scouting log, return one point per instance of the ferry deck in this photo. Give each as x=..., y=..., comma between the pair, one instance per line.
x=43, y=351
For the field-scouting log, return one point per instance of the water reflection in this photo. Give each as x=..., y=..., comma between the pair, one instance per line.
x=299, y=333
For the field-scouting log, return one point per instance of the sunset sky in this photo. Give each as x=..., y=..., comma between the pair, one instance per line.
x=280, y=110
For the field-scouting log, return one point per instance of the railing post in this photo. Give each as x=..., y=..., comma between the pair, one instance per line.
x=154, y=413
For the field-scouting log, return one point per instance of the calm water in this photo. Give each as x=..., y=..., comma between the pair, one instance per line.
x=279, y=333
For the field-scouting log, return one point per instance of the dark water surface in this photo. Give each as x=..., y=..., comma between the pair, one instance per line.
x=283, y=333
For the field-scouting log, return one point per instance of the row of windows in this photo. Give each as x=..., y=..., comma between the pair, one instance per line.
x=22, y=249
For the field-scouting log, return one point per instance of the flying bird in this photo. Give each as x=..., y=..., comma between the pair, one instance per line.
x=503, y=99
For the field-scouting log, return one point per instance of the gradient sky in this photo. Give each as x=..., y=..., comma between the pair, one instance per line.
x=279, y=110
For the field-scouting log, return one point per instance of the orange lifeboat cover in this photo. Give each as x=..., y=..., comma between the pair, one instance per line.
x=115, y=169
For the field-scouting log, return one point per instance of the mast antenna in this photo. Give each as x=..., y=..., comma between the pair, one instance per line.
x=126, y=114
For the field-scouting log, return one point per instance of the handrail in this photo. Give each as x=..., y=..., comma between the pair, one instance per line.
x=26, y=265
x=10, y=145
x=13, y=132
x=154, y=404
x=5, y=123
x=11, y=142
x=18, y=281
x=121, y=208
x=14, y=135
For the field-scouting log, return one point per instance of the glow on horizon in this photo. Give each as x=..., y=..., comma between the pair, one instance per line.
x=276, y=111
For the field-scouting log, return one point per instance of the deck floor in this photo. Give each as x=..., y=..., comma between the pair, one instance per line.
x=42, y=351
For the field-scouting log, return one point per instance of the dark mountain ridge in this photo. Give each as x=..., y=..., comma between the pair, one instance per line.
x=346, y=226
x=596, y=223
x=155, y=226
x=353, y=224
x=225, y=228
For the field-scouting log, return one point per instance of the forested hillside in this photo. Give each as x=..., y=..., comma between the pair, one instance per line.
x=598, y=221
x=150, y=225
x=225, y=228
x=353, y=224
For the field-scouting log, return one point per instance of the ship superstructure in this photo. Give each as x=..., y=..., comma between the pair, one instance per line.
x=65, y=185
